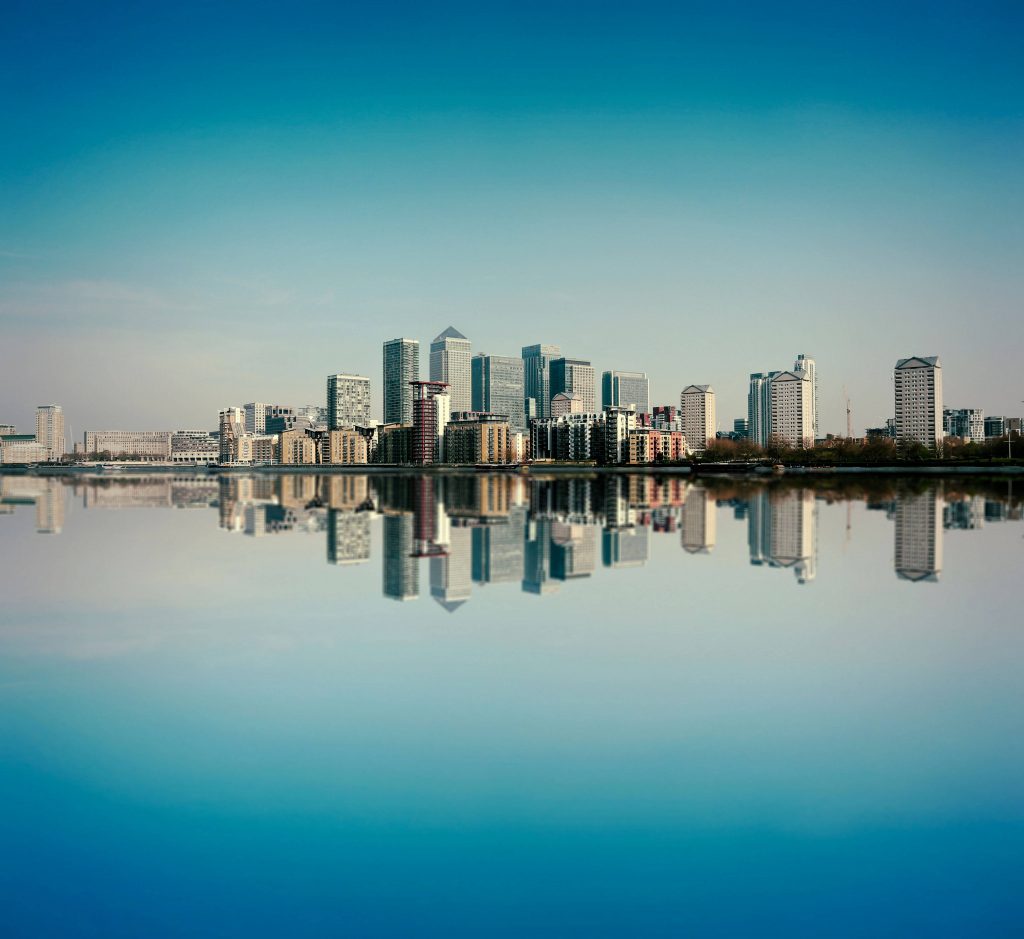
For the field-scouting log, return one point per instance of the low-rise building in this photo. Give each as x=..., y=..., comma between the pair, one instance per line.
x=137, y=444
x=296, y=447
x=22, y=451
x=481, y=439
x=347, y=447
x=394, y=444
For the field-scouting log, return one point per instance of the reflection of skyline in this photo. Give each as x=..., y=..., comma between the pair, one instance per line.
x=489, y=529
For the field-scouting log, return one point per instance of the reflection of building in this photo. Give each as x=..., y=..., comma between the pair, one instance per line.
x=47, y=495
x=697, y=521
x=451, y=575
x=401, y=566
x=918, y=537
x=782, y=531
x=348, y=537
x=498, y=549
x=967, y=513
x=625, y=547
x=537, y=557
x=573, y=550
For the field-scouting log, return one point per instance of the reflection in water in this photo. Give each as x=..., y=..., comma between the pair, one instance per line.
x=503, y=529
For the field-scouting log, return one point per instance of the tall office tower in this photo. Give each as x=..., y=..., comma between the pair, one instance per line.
x=697, y=406
x=431, y=410
x=574, y=375
x=790, y=395
x=626, y=390
x=918, y=537
x=50, y=430
x=348, y=401
x=537, y=361
x=255, y=417
x=498, y=388
x=401, y=567
x=232, y=426
x=918, y=383
x=401, y=366
x=449, y=363
x=759, y=407
x=806, y=364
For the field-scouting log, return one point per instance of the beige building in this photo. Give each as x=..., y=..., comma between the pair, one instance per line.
x=697, y=409
x=347, y=447
x=138, y=444
x=566, y=403
x=50, y=430
x=791, y=399
x=23, y=451
x=296, y=447
x=918, y=386
x=482, y=439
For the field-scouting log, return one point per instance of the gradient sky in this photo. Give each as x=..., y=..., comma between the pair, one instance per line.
x=206, y=204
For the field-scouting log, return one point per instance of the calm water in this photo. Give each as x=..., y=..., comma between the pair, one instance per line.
x=490, y=706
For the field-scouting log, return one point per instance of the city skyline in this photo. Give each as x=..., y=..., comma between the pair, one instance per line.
x=863, y=180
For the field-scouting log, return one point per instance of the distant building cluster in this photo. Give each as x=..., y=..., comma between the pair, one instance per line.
x=489, y=409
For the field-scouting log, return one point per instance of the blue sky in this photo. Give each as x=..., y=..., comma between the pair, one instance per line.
x=207, y=204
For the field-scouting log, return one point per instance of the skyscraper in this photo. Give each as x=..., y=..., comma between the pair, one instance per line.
x=50, y=430
x=498, y=388
x=574, y=375
x=918, y=385
x=401, y=366
x=790, y=396
x=807, y=365
x=759, y=407
x=348, y=401
x=626, y=390
x=537, y=376
x=450, y=354
x=697, y=407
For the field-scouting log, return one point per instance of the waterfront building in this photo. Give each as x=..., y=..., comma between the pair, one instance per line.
x=563, y=403
x=347, y=447
x=697, y=406
x=966, y=423
x=918, y=536
x=918, y=389
x=574, y=375
x=50, y=430
x=194, y=446
x=790, y=395
x=296, y=447
x=394, y=444
x=498, y=388
x=806, y=364
x=348, y=401
x=13, y=450
x=626, y=390
x=570, y=437
x=401, y=366
x=450, y=355
x=138, y=444
x=255, y=417
x=483, y=438
x=617, y=424
x=995, y=426
x=759, y=407
x=537, y=361
x=231, y=424
x=431, y=410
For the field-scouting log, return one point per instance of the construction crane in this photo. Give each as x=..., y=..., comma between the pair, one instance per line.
x=849, y=421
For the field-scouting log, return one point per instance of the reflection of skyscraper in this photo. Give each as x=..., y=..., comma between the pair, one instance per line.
x=537, y=556
x=698, y=521
x=782, y=531
x=498, y=549
x=451, y=575
x=50, y=508
x=918, y=536
x=348, y=537
x=625, y=547
x=573, y=550
x=401, y=566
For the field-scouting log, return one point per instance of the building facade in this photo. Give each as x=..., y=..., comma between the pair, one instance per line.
x=498, y=388
x=450, y=355
x=401, y=367
x=790, y=396
x=626, y=390
x=50, y=430
x=697, y=407
x=537, y=361
x=481, y=439
x=141, y=444
x=966, y=423
x=807, y=365
x=918, y=388
x=431, y=410
x=574, y=376
x=563, y=403
x=348, y=401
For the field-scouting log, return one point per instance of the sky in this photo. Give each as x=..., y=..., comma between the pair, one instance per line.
x=208, y=204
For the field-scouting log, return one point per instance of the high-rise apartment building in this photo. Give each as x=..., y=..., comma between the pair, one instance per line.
x=401, y=368
x=450, y=355
x=537, y=361
x=498, y=388
x=232, y=428
x=574, y=376
x=626, y=390
x=697, y=407
x=50, y=430
x=618, y=423
x=790, y=395
x=918, y=387
x=804, y=363
x=348, y=401
x=431, y=410
x=759, y=407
